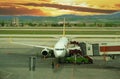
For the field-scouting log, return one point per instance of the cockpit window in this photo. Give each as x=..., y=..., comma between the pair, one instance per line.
x=59, y=49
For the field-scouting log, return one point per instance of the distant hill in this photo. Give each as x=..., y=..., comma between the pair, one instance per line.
x=106, y=16
x=70, y=17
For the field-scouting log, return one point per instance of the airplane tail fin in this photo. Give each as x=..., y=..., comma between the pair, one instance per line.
x=64, y=28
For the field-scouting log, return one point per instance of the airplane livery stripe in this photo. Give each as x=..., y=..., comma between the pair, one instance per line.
x=109, y=48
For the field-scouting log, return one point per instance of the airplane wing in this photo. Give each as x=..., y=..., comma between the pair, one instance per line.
x=33, y=45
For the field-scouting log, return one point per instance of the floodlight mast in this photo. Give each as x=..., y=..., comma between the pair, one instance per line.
x=64, y=28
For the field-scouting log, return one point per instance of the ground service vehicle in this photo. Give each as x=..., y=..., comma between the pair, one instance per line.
x=79, y=60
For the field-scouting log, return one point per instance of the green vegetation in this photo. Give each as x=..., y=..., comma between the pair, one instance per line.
x=68, y=24
x=59, y=32
x=107, y=20
x=101, y=22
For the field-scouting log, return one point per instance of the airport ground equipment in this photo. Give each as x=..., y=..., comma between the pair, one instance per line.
x=75, y=51
x=111, y=49
x=83, y=48
x=78, y=55
x=79, y=60
x=32, y=63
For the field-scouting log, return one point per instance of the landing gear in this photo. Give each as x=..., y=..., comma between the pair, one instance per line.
x=56, y=62
x=112, y=57
x=53, y=65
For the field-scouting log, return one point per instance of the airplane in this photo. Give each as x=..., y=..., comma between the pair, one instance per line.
x=60, y=49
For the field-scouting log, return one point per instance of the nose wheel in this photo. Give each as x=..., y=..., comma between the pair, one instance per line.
x=55, y=63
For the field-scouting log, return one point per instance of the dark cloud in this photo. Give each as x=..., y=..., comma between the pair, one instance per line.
x=68, y=7
x=12, y=10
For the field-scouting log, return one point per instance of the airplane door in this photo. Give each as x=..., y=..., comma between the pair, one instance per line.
x=95, y=49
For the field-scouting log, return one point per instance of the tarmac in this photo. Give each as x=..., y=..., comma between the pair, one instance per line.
x=14, y=63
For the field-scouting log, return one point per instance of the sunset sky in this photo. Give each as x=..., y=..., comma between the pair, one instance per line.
x=58, y=7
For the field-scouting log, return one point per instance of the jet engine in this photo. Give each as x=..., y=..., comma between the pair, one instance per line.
x=45, y=52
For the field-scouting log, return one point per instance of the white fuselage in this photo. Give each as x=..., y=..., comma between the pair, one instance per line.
x=60, y=48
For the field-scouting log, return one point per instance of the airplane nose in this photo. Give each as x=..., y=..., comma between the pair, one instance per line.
x=59, y=54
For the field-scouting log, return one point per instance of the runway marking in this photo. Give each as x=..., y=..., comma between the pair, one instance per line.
x=9, y=74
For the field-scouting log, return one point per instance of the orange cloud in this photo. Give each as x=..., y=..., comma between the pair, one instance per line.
x=57, y=7
x=117, y=5
x=68, y=7
x=12, y=10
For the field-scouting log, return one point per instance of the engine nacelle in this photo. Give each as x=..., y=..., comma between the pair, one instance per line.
x=45, y=52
